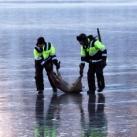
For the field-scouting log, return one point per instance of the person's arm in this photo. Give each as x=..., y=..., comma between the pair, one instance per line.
x=99, y=45
x=84, y=57
x=53, y=57
x=48, y=56
x=37, y=54
x=83, y=60
x=104, y=55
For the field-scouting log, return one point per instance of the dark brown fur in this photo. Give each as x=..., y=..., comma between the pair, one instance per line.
x=60, y=83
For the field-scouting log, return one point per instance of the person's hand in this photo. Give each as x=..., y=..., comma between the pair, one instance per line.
x=42, y=63
x=45, y=61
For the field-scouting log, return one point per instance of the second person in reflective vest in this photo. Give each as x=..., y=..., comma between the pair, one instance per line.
x=93, y=52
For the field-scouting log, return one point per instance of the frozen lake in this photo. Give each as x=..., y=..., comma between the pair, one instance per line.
x=24, y=114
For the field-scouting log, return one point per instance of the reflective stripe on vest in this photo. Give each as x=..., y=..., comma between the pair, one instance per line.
x=98, y=46
x=82, y=52
x=48, y=50
x=37, y=53
x=95, y=47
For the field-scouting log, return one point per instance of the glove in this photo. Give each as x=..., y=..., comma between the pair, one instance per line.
x=42, y=63
x=81, y=66
x=45, y=61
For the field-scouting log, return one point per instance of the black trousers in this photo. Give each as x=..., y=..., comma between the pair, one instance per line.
x=39, y=74
x=96, y=69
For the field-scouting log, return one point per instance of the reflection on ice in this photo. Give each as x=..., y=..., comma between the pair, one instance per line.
x=54, y=122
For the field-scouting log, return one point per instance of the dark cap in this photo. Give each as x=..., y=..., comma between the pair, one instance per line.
x=40, y=41
x=81, y=37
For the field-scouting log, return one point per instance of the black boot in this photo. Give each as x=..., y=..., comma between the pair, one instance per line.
x=54, y=90
x=91, y=92
x=40, y=91
x=101, y=89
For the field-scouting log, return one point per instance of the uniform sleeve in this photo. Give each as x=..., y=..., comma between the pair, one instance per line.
x=104, y=55
x=36, y=55
x=99, y=46
x=82, y=52
x=52, y=50
x=53, y=53
x=84, y=58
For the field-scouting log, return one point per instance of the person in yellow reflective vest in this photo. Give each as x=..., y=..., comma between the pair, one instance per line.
x=45, y=56
x=93, y=52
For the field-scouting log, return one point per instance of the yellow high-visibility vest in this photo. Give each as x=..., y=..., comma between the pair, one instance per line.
x=48, y=51
x=92, y=50
x=37, y=53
